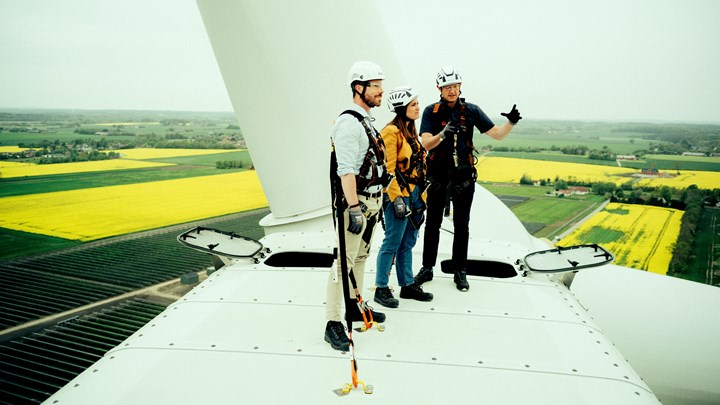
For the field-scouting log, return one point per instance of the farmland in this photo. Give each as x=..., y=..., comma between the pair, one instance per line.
x=546, y=134
x=150, y=153
x=84, y=201
x=702, y=179
x=11, y=149
x=23, y=128
x=171, y=168
x=543, y=214
x=637, y=138
x=639, y=236
x=510, y=170
x=12, y=169
x=95, y=213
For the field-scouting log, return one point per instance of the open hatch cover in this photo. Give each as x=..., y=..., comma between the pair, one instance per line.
x=570, y=258
x=221, y=243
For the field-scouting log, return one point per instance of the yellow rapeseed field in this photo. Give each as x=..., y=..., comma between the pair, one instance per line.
x=639, y=236
x=131, y=159
x=510, y=170
x=150, y=153
x=95, y=213
x=11, y=149
x=702, y=179
x=15, y=169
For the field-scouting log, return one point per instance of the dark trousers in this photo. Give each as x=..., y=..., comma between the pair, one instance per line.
x=461, y=203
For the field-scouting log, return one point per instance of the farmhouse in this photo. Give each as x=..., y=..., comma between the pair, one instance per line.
x=626, y=157
x=573, y=190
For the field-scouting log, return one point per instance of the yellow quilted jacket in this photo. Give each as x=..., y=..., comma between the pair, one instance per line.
x=397, y=154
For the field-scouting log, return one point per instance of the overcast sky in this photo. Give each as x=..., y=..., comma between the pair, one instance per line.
x=561, y=59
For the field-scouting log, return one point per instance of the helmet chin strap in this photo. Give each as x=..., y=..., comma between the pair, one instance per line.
x=362, y=95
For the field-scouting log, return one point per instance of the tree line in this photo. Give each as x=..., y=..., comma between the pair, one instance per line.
x=682, y=253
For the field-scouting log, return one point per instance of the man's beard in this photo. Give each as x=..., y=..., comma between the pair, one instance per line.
x=372, y=103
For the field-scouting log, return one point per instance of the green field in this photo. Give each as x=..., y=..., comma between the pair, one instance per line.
x=544, y=214
x=518, y=190
x=600, y=235
x=553, y=157
x=207, y=160
x=546, y=134
x=27, y=138
x=549, y=210
x=19, y=244
x=34, y=126
x=671, y=162
x=618, y=145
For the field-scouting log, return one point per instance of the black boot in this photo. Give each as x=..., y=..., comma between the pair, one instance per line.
x=415, y=292
x=384, y=297
x=461, y=281
x=356, y=316
x=424, y=275
x=335, y=335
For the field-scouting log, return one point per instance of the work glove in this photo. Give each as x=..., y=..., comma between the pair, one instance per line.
x=513, y=116
x=401, y=210
x=449, y=130
x=356, y=220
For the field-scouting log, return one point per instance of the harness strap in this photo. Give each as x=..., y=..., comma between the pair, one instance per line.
x=463, y=122
x=376, y=149
x=417, y=164
x=338, y=205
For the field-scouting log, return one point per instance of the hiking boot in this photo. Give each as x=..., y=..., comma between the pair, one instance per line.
x=335, y=335
x=424, y=275
x=415, y=292
x=384, y=297
x=356, y=316
x=461, y=281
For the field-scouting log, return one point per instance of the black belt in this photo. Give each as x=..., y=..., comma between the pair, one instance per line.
x=370, y=195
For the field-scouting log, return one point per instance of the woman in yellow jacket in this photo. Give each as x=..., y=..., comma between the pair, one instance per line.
x=403, y=199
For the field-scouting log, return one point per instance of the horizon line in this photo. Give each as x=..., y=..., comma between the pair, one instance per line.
x=615, y=120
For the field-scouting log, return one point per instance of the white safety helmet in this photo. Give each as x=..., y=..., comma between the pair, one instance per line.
x=401, y=97
x=447, y=76
x=365, y=71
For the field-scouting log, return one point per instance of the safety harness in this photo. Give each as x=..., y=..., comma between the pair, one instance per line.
x=417, y=166
x=405, y=178
x=463, y=154
x=461, y=123
x=372, y=171
x=339, y=204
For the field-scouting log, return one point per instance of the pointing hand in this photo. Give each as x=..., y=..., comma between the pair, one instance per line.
x=513, y=116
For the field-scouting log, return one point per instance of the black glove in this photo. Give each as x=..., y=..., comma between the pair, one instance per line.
x=401, y=210
x=449, y=130
x=355, y=219
x=513, y=116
